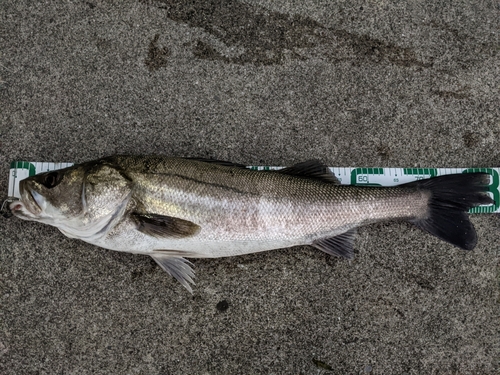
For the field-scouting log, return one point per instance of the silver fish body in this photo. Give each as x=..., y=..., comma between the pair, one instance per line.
x=175, y=208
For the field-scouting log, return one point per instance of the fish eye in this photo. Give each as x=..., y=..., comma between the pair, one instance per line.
x=51, y=180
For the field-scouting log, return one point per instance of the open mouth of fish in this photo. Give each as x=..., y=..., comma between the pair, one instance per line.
x=27, y=207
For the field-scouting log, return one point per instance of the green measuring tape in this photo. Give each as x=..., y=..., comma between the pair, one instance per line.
x=19, y=170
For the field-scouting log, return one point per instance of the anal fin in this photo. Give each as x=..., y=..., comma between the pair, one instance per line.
x=178, y=267
x=341, y=245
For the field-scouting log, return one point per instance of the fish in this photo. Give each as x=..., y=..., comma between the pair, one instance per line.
x=173, y=208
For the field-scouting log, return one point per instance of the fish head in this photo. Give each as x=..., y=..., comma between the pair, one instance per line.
x=82, y=196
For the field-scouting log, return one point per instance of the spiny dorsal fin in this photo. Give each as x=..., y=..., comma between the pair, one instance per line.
x=177, y=267
x=219, y=162
x=313, y=169
x=341, y=245
x=165, y=226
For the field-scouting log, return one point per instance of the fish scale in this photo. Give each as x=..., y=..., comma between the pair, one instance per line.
x=224, y=215
x=176, y=208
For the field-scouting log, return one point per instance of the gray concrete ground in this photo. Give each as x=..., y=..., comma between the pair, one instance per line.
x=358, y=83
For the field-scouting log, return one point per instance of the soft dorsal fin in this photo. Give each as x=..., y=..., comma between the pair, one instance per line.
x=165, y=226
x=177, y=267
x=313, y=169
x=341, y=245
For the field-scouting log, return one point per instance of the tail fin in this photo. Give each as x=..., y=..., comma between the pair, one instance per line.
x=450, y=198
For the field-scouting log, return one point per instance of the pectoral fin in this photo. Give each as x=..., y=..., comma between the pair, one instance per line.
x=165, y=226
x=177, y=267
x=341, y=245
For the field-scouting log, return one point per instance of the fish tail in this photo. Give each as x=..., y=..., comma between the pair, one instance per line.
x=451, y=196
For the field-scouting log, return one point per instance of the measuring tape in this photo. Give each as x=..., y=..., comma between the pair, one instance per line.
x=19, y=170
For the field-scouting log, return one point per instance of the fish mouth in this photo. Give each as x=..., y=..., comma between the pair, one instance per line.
x=27, y=207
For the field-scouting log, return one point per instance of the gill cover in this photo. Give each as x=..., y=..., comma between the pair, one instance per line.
x=79, y=200
x=105, y=188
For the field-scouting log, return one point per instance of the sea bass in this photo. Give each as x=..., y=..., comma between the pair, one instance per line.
x=177, y=208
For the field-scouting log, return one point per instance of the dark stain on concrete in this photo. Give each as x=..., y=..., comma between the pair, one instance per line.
x=103, y=44
x=222, y=306
x=421, y=282
x=384, y=151
x=157, y=56
x=264, y=37
x=449, y=30
x=205, y=51
x=400, y=313
x=322, y=365
x=366, y=48
x=471, y=139
x=450, y=94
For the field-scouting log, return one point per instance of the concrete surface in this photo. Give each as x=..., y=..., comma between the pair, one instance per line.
x=358, y=83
